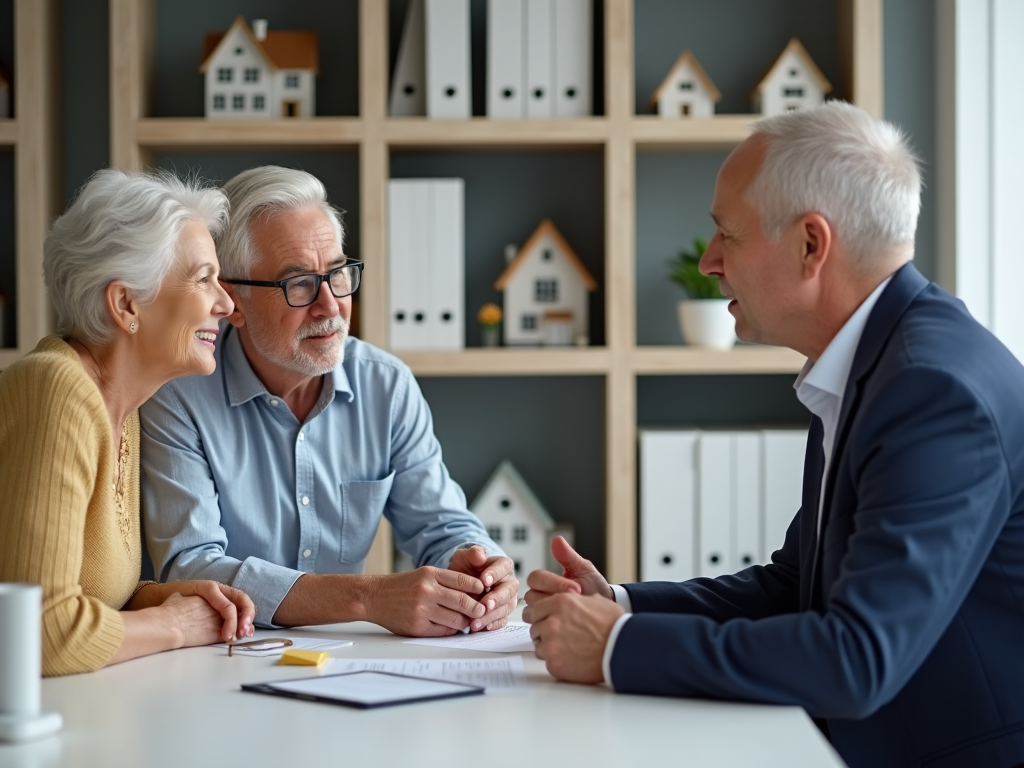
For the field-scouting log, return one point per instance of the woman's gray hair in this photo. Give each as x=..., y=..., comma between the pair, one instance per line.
x=122, y=226
x=836, y=160
x=265, y=191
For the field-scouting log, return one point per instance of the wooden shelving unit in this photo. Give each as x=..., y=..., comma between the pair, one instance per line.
x=619, y=134
x=33, y=137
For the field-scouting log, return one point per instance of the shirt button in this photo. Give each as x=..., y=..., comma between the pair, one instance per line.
x=302, y=436
x=305, y=501
x=307, y=552
x=273, y=402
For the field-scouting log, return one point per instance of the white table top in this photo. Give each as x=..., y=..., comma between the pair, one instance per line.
x=185, y=708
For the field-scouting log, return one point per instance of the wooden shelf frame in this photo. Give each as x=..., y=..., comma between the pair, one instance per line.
x=619, y=134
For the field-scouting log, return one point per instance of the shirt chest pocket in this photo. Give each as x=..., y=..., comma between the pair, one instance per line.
x=362, y=504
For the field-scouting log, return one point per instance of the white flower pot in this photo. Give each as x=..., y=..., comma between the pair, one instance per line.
x=707, y=323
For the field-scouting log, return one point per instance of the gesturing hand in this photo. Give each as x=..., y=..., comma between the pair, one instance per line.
x=497, y=573
x=427, y=602
x=570, y=632
x=579, y=576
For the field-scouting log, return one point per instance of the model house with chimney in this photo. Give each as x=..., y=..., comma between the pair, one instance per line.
x=792, y=82
x=686, y=91
x=259, y=73
x=546, y=283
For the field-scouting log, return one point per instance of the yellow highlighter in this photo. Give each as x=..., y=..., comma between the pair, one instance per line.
x=295, y=657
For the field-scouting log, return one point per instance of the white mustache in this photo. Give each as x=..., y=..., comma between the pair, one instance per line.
x=323, y=327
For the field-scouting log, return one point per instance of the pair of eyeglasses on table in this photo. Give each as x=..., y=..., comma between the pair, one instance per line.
x=264, y=644
x=303, y=290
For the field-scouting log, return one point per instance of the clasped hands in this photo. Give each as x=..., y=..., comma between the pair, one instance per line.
x=572, y=616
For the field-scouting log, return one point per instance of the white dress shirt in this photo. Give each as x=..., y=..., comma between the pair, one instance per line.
x=820, y=387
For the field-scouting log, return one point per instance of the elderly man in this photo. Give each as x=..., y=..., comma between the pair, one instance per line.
x=894, y=611
x=272, y=474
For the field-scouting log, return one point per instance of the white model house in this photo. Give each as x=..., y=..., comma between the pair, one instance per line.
x=545, y=279
x=256, y=73
x=686, y=91
x=793, y=82
x=516, y=520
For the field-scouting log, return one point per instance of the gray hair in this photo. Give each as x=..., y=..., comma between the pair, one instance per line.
x=265, y=191
x=836, y=160
x=121, y=226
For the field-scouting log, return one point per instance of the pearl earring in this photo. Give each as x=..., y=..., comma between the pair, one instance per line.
x=133, y=327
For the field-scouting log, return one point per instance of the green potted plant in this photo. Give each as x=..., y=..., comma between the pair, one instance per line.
x=704, y=317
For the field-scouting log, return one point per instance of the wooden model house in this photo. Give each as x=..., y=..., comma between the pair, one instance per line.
x=516, y=520
x=255, y=74
x=545, y=279
x=793, y=82
x=686, y=91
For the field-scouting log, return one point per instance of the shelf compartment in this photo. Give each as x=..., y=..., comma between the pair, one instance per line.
x=669, y=361
x=505, y=361
x=179, y=133
x=8, y=133
x=713, y=133
x=414, y=132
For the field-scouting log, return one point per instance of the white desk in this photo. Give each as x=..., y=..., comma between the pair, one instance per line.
x=185, y=708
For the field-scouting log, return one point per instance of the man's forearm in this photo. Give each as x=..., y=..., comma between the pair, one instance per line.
x=325, y=599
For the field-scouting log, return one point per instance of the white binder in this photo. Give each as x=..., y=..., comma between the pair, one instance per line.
x=715, y=499
x=746, y=497
x=408, y=85
x=420, y=227
x=400, y=257
x=573, y=89
x=446, y=260
x=668, y=502
x=447, y=59
x=783, y=483
x=505, y=48
x=539, y=58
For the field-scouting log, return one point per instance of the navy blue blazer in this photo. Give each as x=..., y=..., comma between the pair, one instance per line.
x=903, y=625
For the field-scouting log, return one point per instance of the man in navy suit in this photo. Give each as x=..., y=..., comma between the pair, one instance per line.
x=894, y=611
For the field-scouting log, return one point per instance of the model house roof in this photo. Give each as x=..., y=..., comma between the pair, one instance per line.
x=795, y=46
x=686, y=58
x=505, y=469
x=546, y=228
x=281, y=49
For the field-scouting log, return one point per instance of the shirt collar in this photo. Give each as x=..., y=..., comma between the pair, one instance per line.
x=830, y=373
x=244, y=385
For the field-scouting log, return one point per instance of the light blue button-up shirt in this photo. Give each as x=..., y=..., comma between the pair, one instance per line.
x=236, y=490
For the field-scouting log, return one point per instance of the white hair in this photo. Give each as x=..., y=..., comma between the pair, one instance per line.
x=836, y=160
x=264, y=191
x=121, y=226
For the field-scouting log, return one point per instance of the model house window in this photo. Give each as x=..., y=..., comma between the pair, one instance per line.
x=528, y=323
x=239, y=51
x=519, y=533
x=517, y=567
x=259, y=101
x=218, y=101
x=545, y=255
x=252, y=74
x=545, y=290
x=291, y=81
x=238, y=101
x=494, y=531
x=794, y=72
x=506, y=504
x=686, y=86
x=797, y=92
x=224, y=74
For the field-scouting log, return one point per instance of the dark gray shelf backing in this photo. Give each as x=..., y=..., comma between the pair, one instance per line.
x=674, y=192
x=338, y=171
x=181, y=25
x=719, y=401
x=551, y=429
x=507, y=195
x=8, y=267
x=7, y=41
x=478, y=50
x=735, y=42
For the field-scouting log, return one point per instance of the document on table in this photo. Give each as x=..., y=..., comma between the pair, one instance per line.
x=513, y=638
x=298, y=643
x=496, y=675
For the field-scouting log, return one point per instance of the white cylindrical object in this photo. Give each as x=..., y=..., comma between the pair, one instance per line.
x=707, y=323
x=21, y=649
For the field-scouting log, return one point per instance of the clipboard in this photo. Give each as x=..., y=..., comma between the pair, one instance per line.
x=366, y=689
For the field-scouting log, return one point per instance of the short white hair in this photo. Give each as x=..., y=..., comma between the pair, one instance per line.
x=264, y=191
x=836, y=160
x=121, y=226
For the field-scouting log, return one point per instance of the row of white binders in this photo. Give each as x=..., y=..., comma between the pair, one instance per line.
x=713, y=501
x=426, y=257
x=539, y=55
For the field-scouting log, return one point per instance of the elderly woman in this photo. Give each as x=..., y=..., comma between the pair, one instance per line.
x=132, y=272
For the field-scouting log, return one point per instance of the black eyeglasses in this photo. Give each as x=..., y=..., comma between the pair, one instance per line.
x=303, y=290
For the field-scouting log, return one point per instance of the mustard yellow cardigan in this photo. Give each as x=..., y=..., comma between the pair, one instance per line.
x=59, y=525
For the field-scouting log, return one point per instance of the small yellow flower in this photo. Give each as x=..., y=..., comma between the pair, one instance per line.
x=489, y=314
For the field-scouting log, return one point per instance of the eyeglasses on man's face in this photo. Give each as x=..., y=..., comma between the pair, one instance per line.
x=303, y=290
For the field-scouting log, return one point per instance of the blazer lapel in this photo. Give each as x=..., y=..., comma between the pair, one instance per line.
x=906, y=285
x=814, y=468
